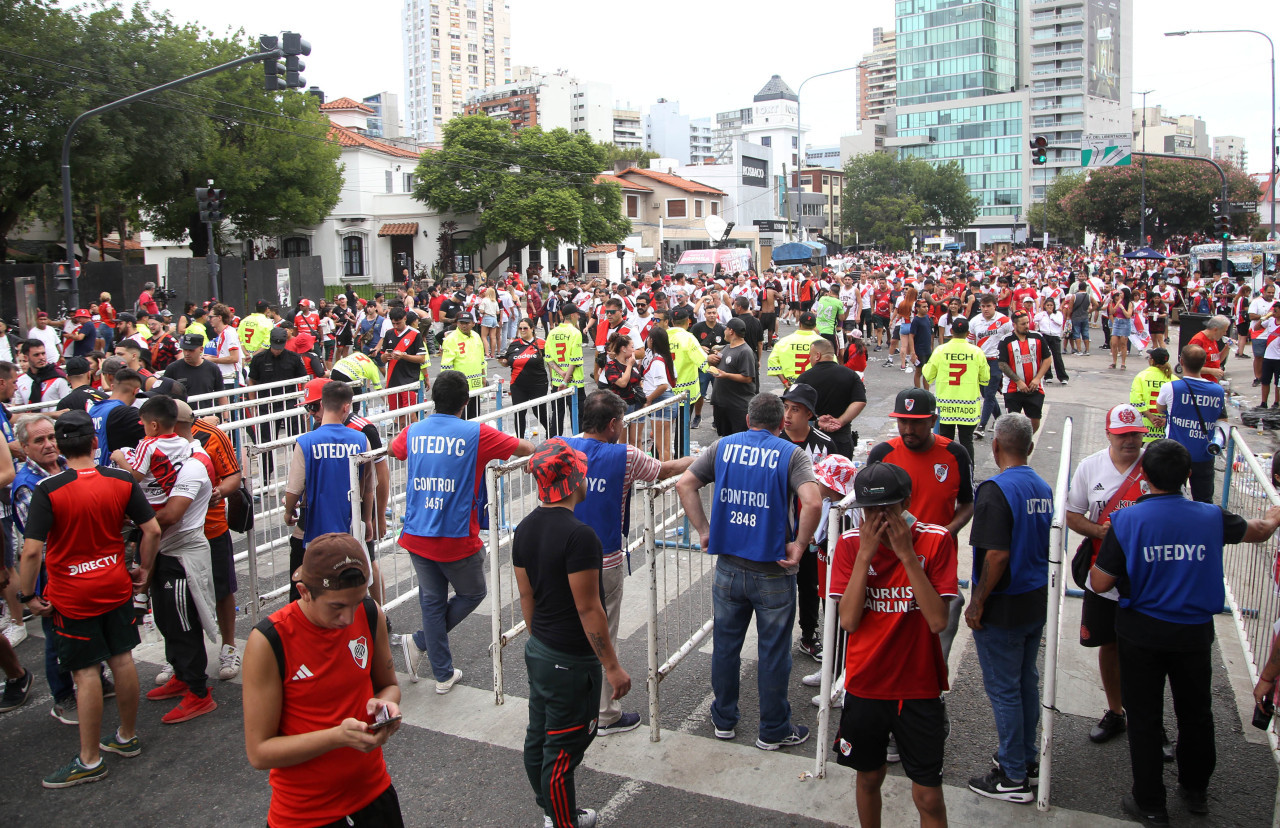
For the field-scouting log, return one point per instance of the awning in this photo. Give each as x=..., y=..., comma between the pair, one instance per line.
x=1144, y=253
x=798, y=252
x=403, y=228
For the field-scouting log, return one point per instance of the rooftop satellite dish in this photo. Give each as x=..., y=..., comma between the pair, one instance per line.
x=715, y=227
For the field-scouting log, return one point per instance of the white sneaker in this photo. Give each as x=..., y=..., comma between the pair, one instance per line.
x=812, y=680
x=16, y=633
x=586, y=819
x=166, y=673
x=228, y=662
x=838, y=703
x=412, y=656
x=443, y=687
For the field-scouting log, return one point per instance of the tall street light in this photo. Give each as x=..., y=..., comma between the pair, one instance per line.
x=1142, y=216
x=800, y=146
x=1271, y=139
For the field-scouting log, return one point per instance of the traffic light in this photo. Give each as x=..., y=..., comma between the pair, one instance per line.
x=1222, y=227
x=62, y=278
x=622, y=252
x=294, y=46
x=210, y=201
x=1039, y=150
x=273, y=68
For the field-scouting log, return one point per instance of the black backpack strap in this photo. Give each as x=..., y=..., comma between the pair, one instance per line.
x=371, y=613
x=268, y=629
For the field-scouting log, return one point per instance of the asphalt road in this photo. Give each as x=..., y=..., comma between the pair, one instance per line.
x=456, y=762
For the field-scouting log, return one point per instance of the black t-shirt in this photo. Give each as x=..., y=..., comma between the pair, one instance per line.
x=708, y=335
x=205, y=378
x=449, y=309
x=124, y=427
x=405, y=371
x=549, y=545
x=80, y=399
x=754, y=334
x=838, y=387
x=528, y=365
x=992, y=528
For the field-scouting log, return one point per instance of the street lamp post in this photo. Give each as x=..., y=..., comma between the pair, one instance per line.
x=800, y=147
x=1142, y=215
x=1271, y=139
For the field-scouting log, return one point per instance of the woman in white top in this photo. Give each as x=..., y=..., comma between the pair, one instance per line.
x=1049, y=322
x=954, y=311
x=656, y=384
x=489, y=322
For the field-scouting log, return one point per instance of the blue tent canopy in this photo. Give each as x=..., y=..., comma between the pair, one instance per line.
x=1144, y=253
x=798, y=252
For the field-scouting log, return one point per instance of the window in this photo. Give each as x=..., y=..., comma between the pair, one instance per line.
x=826, y=179
x=715, y=208
x=633, y=206
x=766, y=141
x=697, y=208
x=676, y=208
x=409, y=181
x=388, y=180
x=353, y=256
x=296, y=246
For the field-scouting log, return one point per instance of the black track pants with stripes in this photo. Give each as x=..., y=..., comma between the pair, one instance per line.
x=179, y=623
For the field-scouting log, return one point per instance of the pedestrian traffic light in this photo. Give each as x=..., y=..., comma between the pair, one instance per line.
x=273, y=67
x=1222, y=227
x=294, y=46
x=1039, y=150
x=210, y=201
x=622, y=252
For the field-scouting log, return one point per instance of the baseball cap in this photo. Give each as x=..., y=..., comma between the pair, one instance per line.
x=808, y=319
x=466, y=317
x=76, y=366
x=559, y=470
x=185, y=414
x=279, y=336
x=736, y=324
x=196, y=314
x=682, y=312
x=73, y=424
x=192, y=342
x=262, y=305
x=125, y=317
x=1125, y=419
x=314, y=390
x=913, y=404
x=41, y=315
x=804, y=394
x=81, y=313
x=166, y=314
x=568, y=309
x=328, y=556
x=881, y=484
x=835, y=471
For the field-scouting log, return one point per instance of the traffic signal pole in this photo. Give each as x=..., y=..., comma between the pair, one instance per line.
x=68, y=227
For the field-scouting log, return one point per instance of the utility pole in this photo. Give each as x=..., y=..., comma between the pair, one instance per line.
x=1142, y=214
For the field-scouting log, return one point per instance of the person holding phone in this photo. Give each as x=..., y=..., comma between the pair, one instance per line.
x=321, y=696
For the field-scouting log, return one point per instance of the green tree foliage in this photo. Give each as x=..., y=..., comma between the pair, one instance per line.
x=1062, y=225
x=637, y=157
x=1180, y=195
x=142, y=162
x=531, y=188
x=886, y=200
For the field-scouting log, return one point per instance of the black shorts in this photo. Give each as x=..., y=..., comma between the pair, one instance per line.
x=865, y=317
x=224, y=566
x=85, y=642
x=1270, y=371
x=1030, y=403
x=769, y=321
x=372, y=547
x=382, y=812
x=344, y=336
x=918, y=725
x=1097, y=620
x=338, y=376
x=879, y=321
x=805, y=306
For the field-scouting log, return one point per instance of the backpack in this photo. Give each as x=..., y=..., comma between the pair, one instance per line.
x=268, y=628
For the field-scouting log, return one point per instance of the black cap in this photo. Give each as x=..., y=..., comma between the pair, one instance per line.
x=198, y=312
x=569, y=308
x=279, y=336
x=681, y=312
x=73, y=424
x=881, y=484
x=262, y=305
x=808, y=320
x=75, y=366
x=914, y=404
x=804, y=394
x=736, y=324
x=191, y=342
x=462, y=317
x=126, y=317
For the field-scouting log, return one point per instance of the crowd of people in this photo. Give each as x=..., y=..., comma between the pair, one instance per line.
x=116, y=443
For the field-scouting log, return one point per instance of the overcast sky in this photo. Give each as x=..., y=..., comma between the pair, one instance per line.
x=714, y=56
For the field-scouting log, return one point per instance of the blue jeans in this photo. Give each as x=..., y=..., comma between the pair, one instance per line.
x=991, y=393
x=738, y=594
x=60, y=684
x=1008, y=659
x=440, y=613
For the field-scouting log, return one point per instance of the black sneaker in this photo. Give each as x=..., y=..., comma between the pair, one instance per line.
x=1033, y=770
x=1141, y=814
x=811, y=647
x=16, y=692
x=1111, y=724
x=626, y=722
x=695, y=422
x=891, y=754
x=1197, y=801
x=995, y=785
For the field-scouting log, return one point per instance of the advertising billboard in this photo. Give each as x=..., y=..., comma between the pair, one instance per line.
x=1103, y=57
x=754, y=172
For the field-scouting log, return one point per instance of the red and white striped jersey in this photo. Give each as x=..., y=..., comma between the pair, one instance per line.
x=1024, y=357
x=987, y=333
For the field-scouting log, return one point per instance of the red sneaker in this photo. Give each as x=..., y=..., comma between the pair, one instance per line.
x=171, y=689
x=190, y=707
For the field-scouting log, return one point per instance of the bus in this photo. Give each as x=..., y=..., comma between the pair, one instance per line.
x=1252, y=259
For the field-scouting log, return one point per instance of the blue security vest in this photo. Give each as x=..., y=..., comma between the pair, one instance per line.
x=1173, y=558
x=602, y=507
x=1031, y=501
x=98, y=413
x=749, y=509
x=25, y=478
x=1183, y=426
x=325, y=454
x=440, y=492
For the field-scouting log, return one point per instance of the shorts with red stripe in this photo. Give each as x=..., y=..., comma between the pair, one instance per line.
x=564, y=701
x=84, y=642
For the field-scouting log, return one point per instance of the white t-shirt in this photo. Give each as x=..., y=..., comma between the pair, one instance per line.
x=1261, y=307
x=850, y=298
x=1272, y=338
x=52, y=340
x=723, y=314
x=1049, y=324
x=226, y=343
x=1092, y=486
x=655, y=375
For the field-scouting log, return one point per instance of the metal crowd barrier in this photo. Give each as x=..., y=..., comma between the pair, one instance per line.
x=840, y=516
x=1251, y=571
x=1058, y=564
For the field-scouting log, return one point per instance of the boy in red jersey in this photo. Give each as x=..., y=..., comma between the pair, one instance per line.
x=893, y=574
x=318, y=677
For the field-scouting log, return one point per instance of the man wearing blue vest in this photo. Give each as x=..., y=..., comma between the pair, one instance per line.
x=1012, y=512
x=116, y=423
x=1192, y=406
x=757, y=551
x=320, y=478
x=447, y=456
x=612, y=468
x=1164, y=554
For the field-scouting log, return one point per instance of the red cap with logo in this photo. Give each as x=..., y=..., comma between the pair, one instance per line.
x=1125, y=419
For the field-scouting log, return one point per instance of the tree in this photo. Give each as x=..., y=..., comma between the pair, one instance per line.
x=886, y=200
x=636, y=156
x=532, y=188
x=1179, y=199
x=1061, y=225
